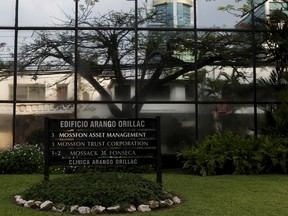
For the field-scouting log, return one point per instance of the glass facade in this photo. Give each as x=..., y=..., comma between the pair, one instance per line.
x=134, y=59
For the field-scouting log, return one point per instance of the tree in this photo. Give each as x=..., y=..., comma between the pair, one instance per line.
x=276, y=45
x=110, y=53
x=6, y=67
x=106, y=48
x=276, y=114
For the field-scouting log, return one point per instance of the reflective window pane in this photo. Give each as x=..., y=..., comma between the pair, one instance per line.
x=177, y=125
x=265, y=119
x=6, y=63
x=46, y=13
x=26, y=113
x=271, y=66
x=272, y=118
x=7, y=13
x=214, y=118
x=209, y=15
x=106, y=65
x=6, y=123
x=166, y=66
x=46, y=65
x=109, y=110
x=226, y=84
x=268, y=84
x=172, y=14
x=225, y=69
x=108, y=13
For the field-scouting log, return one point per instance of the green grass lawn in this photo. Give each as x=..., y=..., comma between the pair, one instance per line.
x=261, y=195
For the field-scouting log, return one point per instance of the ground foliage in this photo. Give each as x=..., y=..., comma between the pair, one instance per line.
x=89, y=189
x=227, y=153
x=22, y=159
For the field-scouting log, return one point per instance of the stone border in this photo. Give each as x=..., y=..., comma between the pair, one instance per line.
x=97, y=209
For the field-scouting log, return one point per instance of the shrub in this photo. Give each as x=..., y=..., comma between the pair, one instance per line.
x=273, y=154
x=89, y=189
x=225, y=153
x=23, y=159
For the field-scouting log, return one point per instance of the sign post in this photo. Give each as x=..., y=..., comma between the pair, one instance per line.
x=46, y=150
x=109, y=142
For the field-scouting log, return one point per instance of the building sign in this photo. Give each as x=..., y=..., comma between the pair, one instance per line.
x=91, y=142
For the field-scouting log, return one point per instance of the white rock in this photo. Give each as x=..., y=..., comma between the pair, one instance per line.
x=114, y=208
x=46, y=205
x=55, y=209
x=84, y=210
x=176, y=200
x=38, y=203
x=29, y=204
x=169, y=202
x=153, y=204
x=17, y=197
x=74, y=209
x=97, y=209
x=166, y=203
x=131, y=208
x=162, y=203
x=143, y=208
x=20, y=201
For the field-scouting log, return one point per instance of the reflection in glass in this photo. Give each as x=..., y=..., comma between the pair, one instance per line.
x=166, y=66
x=30, y=120
x=46, y=13
x=225, y=83
x=6, y=63
x=44, y=88
x=104, y=13
x=7, y=13
x=265, y=120
x=215, y=118
x=272, y=117
x=225, y=71
x=271, y=66
x=177, y=13
x=177, y=124
x=106, y=64
x=155, y=64
x=269, y=84
x=272, y=58
x=46, y=65
x=209, y=15
x=177, y=90
x=6, y=123
x=110, y=110
x=174, y=138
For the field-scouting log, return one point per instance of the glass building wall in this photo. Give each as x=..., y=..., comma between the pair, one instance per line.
x=132, y=59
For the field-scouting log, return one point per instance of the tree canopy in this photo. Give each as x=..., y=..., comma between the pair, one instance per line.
x=108, y=47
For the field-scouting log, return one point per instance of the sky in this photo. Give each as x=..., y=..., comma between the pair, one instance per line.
x=210, y=16
x=44, y=12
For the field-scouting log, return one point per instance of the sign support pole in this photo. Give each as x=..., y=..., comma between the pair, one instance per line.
x=46, y=150
x=159, y=160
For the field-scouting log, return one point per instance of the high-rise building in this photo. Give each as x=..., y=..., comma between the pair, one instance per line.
x=173, y=13
x=262, y=11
